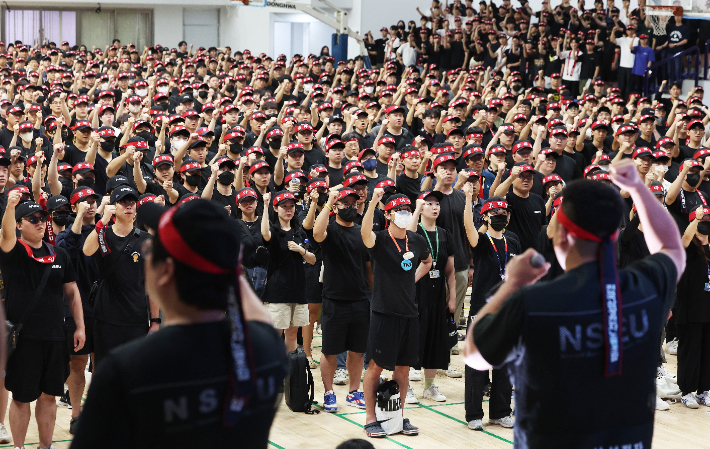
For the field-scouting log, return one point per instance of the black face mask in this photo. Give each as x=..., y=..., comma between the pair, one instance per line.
x=386, y=197
x=193, y=180
x=704, y=227
x=226, y=178
x=66, y=182
x=108, y=146
x=86, y=182
x=236, y=148
x=145, y=135
x=322, y=198
x=67, y=84
x=230, y=88
x=693, y=179
x=348, y=214
x=41, y=99
x=202, y=94
x=274, y=144
x=61, y=217
x=498, y=222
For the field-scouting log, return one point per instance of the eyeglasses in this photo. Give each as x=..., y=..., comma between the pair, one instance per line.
x=34, y=219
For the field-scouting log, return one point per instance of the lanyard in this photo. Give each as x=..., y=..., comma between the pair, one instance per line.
x=501, y=266
x=45, y=259
x=682, y=199
x=406, y=241
x=435, y=256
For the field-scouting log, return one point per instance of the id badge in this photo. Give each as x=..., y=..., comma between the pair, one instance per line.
x=707, y=286
x=434, y=274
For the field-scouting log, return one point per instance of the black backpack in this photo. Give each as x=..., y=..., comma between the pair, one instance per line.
x=299, y=383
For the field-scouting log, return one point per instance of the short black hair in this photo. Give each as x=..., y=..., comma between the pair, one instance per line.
x=432, y=113
x=594, y=206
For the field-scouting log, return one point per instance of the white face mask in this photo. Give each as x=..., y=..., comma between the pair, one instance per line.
x=615, y=126
x=604, y=167
x=661, y=169
x=104, y=86
x=178, y=144
x=3, y=97
x=402, y=218
x=142, y=92
x=131, y=81
x=307, y=87
x=369, y=89
x=134, y=109
x=27, y=136
x=163, y=89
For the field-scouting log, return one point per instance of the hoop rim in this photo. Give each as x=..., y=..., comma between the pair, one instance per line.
x=659, y=10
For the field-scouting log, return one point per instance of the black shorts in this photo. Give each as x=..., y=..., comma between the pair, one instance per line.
x=109, y=336
x=36, y=367
x=70, y=327
x=345, y=326
x=393, y=340
x=314, y=288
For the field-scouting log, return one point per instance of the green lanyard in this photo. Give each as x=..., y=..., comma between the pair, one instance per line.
x=431, y=248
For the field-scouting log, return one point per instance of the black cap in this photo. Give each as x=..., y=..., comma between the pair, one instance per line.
x=122, y=192
x=28, y=208
x=56, y=202
x=115, y=181
x=435, y=193
x=196, y=223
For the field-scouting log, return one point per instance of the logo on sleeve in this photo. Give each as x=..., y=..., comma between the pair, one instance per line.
x=135, y=256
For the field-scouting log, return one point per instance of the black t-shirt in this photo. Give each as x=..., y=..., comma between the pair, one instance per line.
x=527, y=217
x=428, y=288
x=394, y=291
x=73, y=155
x=684, y=204
x=345, y=260
x=22, y=275
x=632, y=244
x=553, y=333
x=693, y=301
x=567, y=168
x=226, y=200
x=451, y=209
x=169, y=391
x=590, y=152
x=286, y=275
x=335, y=175
x=122, y=299
x=488, y=265
x=312, y=157
x=409, y=186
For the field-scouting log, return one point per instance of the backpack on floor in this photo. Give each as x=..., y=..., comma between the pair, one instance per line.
x=298, y=389
x=388, y=409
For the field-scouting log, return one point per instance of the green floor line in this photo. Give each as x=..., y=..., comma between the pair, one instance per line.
x=275, y=445
x=465, y=423
x=36, y=444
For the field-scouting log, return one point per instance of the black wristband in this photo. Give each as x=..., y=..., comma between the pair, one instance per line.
x=156, y=320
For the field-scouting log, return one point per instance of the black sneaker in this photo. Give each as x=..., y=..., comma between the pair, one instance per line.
x=408, y=428
x=73, y=425
x=64, y=400
x=374, y=430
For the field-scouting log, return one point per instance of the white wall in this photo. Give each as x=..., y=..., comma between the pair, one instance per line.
x=168, y=25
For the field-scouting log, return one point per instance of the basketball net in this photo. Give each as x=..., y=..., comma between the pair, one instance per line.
x=660, y=15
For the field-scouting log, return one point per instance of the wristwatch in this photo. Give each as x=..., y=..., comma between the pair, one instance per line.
x=156, y=320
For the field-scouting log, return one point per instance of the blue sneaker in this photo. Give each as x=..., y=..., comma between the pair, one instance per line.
x=329, y=403
x=356, y=399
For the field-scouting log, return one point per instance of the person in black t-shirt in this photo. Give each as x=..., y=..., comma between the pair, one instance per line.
x=409, y=182
x=528, y=209
x=493, y=246
x=564, y=334
x=346, y=293
x=285, y=292
x=220, y=186
x=121, y=308
x=195, y=283
x=37, y=369
x=692, y=313
x=394, y=323
x=683, y=195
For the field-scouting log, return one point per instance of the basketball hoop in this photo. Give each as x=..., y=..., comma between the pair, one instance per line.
x=660, y=15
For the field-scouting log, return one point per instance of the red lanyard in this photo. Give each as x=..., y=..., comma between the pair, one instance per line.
x=45, y=259
x=406, y=241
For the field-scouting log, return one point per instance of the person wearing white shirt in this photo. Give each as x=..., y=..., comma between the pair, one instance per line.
x=573, y=63
x=407, y=53
x=626, y=58
x=392, y=44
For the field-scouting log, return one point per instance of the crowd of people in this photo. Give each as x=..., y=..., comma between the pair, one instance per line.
x=367, y=201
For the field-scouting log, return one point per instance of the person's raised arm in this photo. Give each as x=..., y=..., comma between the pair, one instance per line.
x=207, y=192
x=265, y=228
x=369, y=237
x=321, y=225
x=503, y=188
x=655, y=219
x=677, y=185
x=91, y=244
x=471, y=231
x=8, y=235
x=692, y=227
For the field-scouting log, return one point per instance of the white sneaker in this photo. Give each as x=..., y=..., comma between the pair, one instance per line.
x=453, y=372
x=703, y=399
x=455, y=349
x=665, y=391
x=662, y=371
x=661, y=404
x=4, y=436
x=475, y=424
x=415, y=374
x=434, y=394
x=689, y=401
x=340, y=377
x=411, y=399
x=311, y=363
x=507, y=421
x=672, y=347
